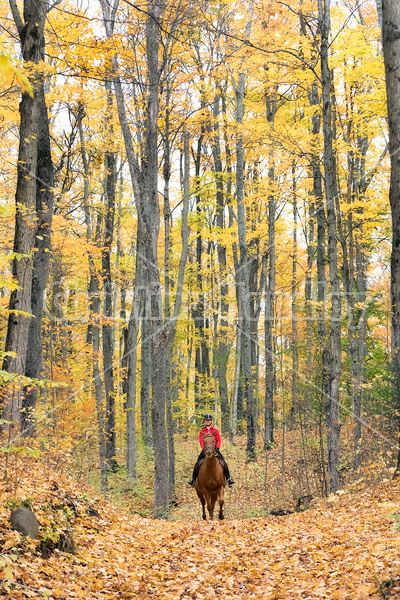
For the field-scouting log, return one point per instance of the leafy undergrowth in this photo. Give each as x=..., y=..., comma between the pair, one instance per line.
x=346, y=547
x=278, y=480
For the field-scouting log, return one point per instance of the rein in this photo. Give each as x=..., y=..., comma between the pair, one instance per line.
x=205, y=437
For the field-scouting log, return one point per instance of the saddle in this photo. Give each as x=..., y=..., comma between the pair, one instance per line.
x=221, y=461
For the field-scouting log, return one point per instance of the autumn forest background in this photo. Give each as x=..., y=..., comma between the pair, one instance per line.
x=201, y=224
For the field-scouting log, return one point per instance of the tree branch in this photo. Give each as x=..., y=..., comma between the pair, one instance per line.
x=16, y=16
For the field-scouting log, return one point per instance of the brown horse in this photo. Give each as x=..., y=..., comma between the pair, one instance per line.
x=210, y=481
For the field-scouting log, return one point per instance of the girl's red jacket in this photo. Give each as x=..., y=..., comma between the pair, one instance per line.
x=213, y=431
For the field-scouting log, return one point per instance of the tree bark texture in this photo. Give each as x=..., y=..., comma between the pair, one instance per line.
x=308, y=299
x=31, y=33
x=332, y=407
x=270, y=283
x=146, y=366
x=223, y=347
x=167, y=300
x=110, y=160
x=202, y=358
x=130, y=362
x=145, y=186
x=94, y=291
x=295, y=356
x=391, y=53
x=41, y=260
x=243, y=273
x=130, y=359
x=354, y=280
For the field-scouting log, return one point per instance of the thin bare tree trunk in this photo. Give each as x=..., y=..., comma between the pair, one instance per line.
x=167, y=307
x=391, y=53
x=379, y=11
x=308, y=300
x=269, y=316
x=202, y=359
x=332, y=407
x=354, y=283
x=101, y=416
x=323, y=350
x=244, y=307
x=129, y=359
x=107, y=328
x=223, y=347
x=94, y=304
x=146, y=360
x=235, y=388
x=295, y=357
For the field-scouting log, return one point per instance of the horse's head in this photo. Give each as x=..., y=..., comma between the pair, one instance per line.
x=209, y=444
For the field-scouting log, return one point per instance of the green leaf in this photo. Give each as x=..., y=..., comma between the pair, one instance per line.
x=21, y=450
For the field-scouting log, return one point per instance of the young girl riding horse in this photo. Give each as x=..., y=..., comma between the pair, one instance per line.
x=208, y=428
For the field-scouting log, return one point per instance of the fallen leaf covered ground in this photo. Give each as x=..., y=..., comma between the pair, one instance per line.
x=344, y=547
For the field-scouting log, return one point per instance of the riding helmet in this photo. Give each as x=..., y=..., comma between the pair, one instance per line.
x=207, y=417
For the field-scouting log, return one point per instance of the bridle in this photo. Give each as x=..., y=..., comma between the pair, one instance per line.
x=209, y=435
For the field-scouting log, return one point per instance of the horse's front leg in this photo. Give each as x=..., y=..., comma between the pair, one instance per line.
x=203, y=504
x=221, y=504
x=210, y=506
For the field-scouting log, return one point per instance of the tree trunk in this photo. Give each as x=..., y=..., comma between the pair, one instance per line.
x=146, y=366
x=107, y=328
x=238, y=394
x=235, y=388
x=223, y=347
x=315, y=161
x=295, y=357
x=269, y=317
x=244, y=305
x=145, y=185
x=101, y=417
x=316, y=213
x=391, y=53
x=167, y=308
x=255, y=290
x=379, y=11
x=130, y=360
x=354, y=279
x=31, y=32
x=149, y=214
x=94, y=304
x=201, y=361
x=308, y=301
x=332, y=412
x=41, y=260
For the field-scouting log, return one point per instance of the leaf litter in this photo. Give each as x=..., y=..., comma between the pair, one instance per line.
x=346, y=547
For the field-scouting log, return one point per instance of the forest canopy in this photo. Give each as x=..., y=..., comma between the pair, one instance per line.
x=201, y=224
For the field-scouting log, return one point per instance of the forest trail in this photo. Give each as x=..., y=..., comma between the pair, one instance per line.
x=343, y=547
